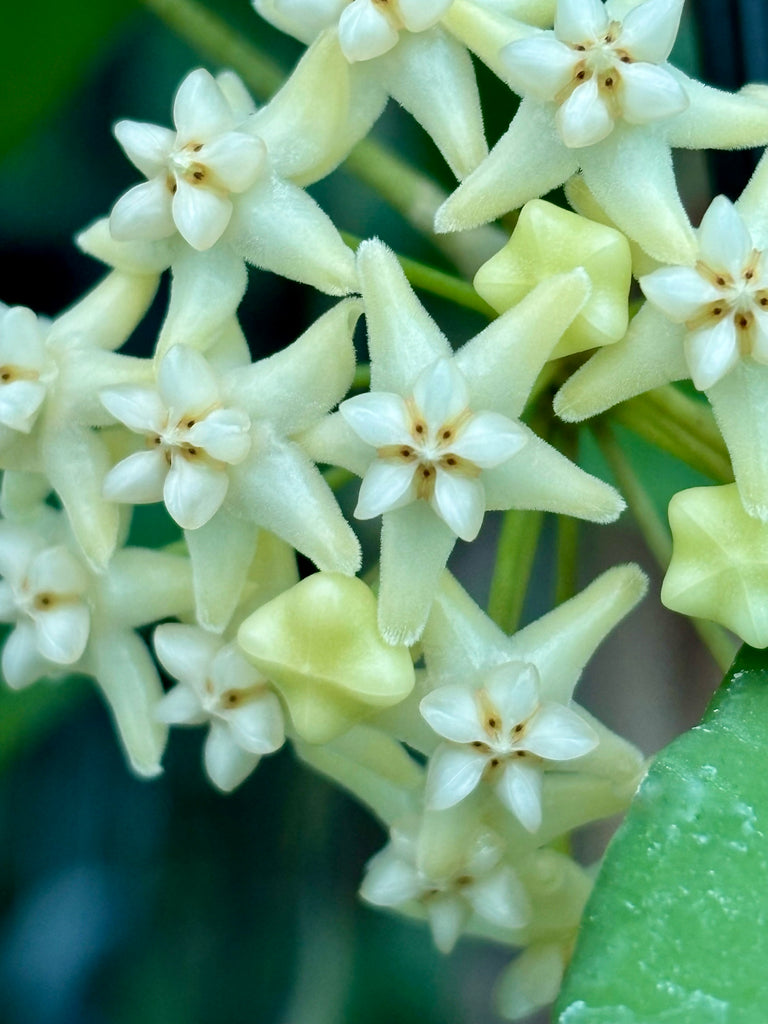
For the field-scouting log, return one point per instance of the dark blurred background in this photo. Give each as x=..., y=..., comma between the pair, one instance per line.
x=130, y=902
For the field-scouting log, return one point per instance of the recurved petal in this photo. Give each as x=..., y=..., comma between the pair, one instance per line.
x=559, y=734
x=584, y=118
x=454, y=771
x=22, y=663
x=649, y=30
x=365, y=31
x=712, y=352
x=650, y=93
x=386, y=485
x=200, y=109
x=679, y=292
x=200, y=214
x=538, y=66
x=489, y=439
x=724, y=241
x=140, y=409
x=452, y=711
x=143, y=212
x=237, y=159
x=147, y=146
x=519, y=789
x=226, y=763
x=185, y=652
x=138, y=479
x=224, y=434
x=379, y=418
x=580, y=21
x=193, y=491
x=460, y=502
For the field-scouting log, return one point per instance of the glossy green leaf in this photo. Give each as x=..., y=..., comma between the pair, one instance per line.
x=676, y=931
x=47, y=50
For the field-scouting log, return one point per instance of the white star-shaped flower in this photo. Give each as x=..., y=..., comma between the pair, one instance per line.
x=505, y=707
x=599, y=96
x=192, y=172
x=50, y=375
x=68, y=618
x=504, y=732
x=218, y=686
x=705, y=318
x=220, y=449
x=431, y=487
x=483, y=885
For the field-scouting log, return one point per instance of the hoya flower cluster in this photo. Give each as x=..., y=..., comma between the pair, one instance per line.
x=467, y=743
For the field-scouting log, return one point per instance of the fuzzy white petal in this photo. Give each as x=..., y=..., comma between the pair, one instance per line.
x=452, y=712
x=440, y=392
x=519, y=789
x=514, y=689
x=58, y=570
x=185, y=652
x=20, y=402
x=147, y=146
x=489, y=439
x=139, y=479
x=139, y=409
x=143, y=212
x=724, y=240
x=712, y=352
x=22, y=663
x=257, y=725
x=200, y=215
x=454, y=771
x=559, y=734
x=365, y=32
x=224, y=434
x=418, y=15
x=390, y=880
x=180, y=706
x=193, y=491
x=227, y=764
x=679, y=292
x=385, y=486
x=200, y=109
x=447, y=916
x=650, y=93
x=186, y=382
x=460, y=503
x=580, y=21
x=538, y=66
x=584, y=118
x=378, y=418
x=236, y=159
x=62, y=633
x=649, y=29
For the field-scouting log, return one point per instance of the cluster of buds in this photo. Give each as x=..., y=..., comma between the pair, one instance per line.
x=465, y=742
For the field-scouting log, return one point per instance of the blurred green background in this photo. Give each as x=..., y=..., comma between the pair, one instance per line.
x=127, y=902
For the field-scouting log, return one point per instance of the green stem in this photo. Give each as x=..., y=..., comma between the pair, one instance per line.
x=658, y=537
x=436, y=282
x=515, y=555
x=362, y=379
x=402, y=186
x=211, y=35
x=681, y=426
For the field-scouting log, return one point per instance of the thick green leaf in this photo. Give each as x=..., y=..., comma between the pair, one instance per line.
x=676, y=931
x=47, y=49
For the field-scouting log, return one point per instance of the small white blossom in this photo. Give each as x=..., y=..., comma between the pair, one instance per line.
x=26, y=368
x=722, y=299
x=369, y=28
x=217, y=685
x=505, y=732
x=430, y=446
x=484, y=885
x=191, y=437
x=597, y=69
x=191, y=172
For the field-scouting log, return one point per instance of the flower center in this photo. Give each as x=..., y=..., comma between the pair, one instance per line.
x=741, y=297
